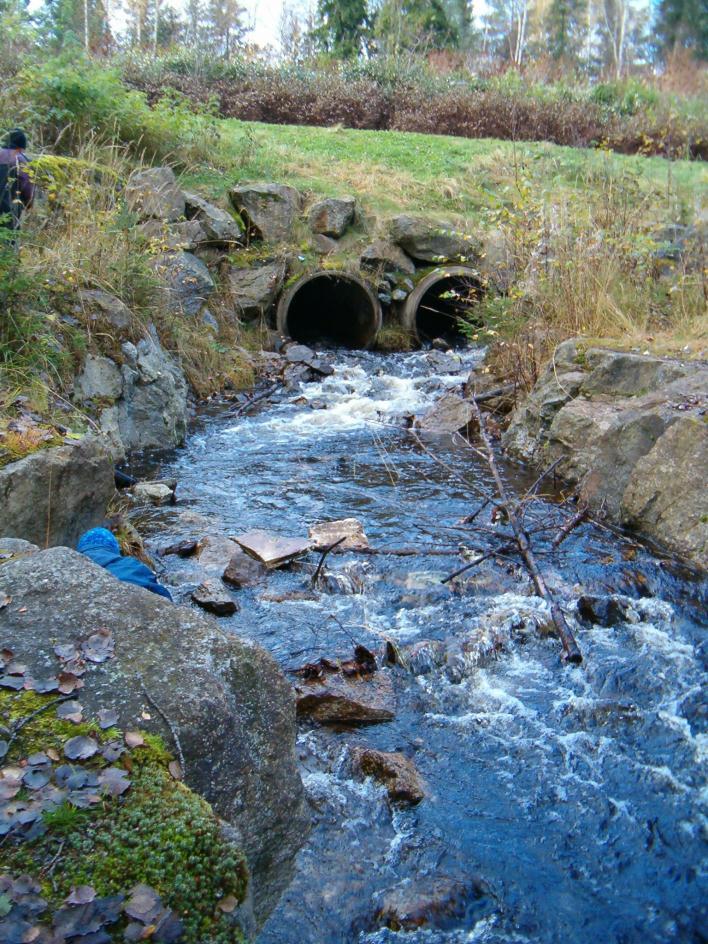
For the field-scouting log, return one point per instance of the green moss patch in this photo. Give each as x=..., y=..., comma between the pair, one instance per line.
x=115, y=821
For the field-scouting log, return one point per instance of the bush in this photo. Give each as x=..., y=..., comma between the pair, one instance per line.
x=626, y=116
x=64, y=103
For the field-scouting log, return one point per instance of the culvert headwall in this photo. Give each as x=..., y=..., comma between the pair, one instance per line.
x=332, y=307
x=440, y=302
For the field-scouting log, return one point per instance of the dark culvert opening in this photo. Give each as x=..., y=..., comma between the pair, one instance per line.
x=442, y=303
x=333, y=308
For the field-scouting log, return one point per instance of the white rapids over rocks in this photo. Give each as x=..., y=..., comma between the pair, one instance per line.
x=577, y=795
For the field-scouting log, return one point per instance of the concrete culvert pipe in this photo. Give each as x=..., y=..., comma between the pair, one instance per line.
x=441, y=302
x=330, y=307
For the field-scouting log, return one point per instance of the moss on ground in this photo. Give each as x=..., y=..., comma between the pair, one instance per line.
x=158, y=833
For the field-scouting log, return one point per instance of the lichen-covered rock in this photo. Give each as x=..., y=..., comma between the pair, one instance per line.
x=332, y=216
x=54, y=495
x=433, y=240
x=186, y=279
x=103, y=307
x=665, y=497
x=386, y=256
x=269, y=210
x=183, y=236
x=143, y=403
x=620, y=374
x=100, y=379
x=254, y=290
x=226, y=698
x=220, y=228
x=154, y=193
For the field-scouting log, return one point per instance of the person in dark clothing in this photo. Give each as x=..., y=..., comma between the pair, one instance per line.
x=16, y=187
x=100, y=546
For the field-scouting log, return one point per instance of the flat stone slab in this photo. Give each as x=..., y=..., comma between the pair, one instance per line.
x=326, y=533
x=271, y=549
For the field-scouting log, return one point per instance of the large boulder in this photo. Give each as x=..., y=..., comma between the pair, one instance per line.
x=225, y=698
x=268, y=210
x=432, y=240
x=186, y=279
x=254, y=290
x=665, y=496
x=602, y=414
x=154, y=194
x=219, y=226
x=332, y=216
x=52, y=496
x=142, y=403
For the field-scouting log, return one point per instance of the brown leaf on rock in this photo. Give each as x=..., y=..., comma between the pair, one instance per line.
x=134, y=739
x=81, y=895
x=68, y=683
x=66, y=652
x=15, y=668
x=175, y=770
x=5, y=600
x=80, y=747
x=144, y=904
x=227, y=904
x=53, y=754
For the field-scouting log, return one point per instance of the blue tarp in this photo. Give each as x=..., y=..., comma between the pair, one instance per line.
x=102, y=548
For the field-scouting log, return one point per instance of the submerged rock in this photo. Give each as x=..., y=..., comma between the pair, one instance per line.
x=394, y=770
x=226, y=699
x=212, y=596
x=427, y=902
x=243, y=571
x=272, y=550
x=157, y=493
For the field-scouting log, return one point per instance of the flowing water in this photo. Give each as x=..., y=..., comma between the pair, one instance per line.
x=569, y=802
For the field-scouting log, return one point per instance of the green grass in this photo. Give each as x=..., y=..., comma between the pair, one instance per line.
x=390, y=171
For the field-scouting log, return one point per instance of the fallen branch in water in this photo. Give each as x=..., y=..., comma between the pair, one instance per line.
x=326, y=551
x=492, y=394
x=254, y=399
x=493, y=553
x=570, y=646
x=582, y=515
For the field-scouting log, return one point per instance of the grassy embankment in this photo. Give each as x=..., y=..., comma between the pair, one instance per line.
x=583, y=228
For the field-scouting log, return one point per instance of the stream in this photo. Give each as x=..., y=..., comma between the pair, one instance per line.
x=568, y=803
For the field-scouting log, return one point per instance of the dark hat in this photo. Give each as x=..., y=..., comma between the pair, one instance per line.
x=17, y=139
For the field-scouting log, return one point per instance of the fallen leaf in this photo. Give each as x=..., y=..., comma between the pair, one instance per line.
x=67, y=652
x=227, y=904
x=134, y=739
x=175, y=769
x=114, y=781
x=7, y=655
x=5, y=600
x=145, y=715
x=68, y=683
x=144, y=904
x=52, y=753
x=15, y=668
x=70, y=711
x=107, y=718
x=80, y=747
x=81, y=895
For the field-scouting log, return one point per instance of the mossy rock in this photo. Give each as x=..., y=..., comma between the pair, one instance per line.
x=158, y=833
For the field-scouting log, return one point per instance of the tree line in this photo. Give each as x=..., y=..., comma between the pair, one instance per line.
x=591, y=37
